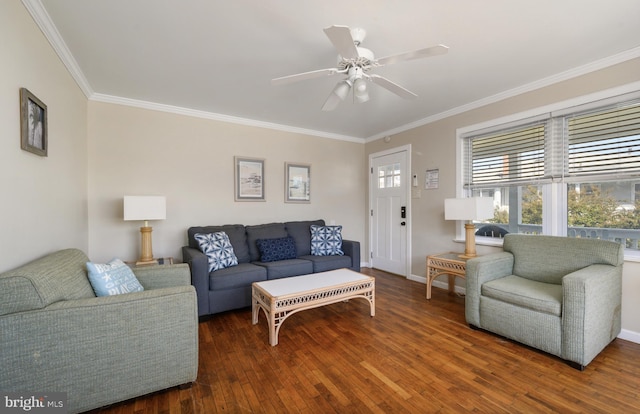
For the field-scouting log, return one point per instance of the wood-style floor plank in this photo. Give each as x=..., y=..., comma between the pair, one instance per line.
x=413, y=356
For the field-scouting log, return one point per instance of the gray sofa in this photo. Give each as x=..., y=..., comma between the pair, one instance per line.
x=57, y=336
x=557, y=294
x=230, y=288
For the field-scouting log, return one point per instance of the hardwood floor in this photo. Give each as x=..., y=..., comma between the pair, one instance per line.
x=414, y=356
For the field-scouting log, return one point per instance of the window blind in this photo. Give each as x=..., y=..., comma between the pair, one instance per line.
x=506, y=158
x=605, y=142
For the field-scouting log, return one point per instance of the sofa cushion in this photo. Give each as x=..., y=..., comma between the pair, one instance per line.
x=526, y=293
x=326, y=240
x=112, y=278
x=61, y=275
x=287, y=268
x=271, y=250
x=301, y=233
x=218, y=249
x=237, y=237
x=326, y=263
x=242, y=275
x=263, y=231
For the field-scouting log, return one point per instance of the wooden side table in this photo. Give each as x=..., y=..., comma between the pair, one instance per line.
x=450, y=264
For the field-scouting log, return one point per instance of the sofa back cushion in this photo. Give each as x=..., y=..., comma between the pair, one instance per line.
x=58, y=276
x=237, y=236
x=263, y=231
x=301, y=233
x=549, y=258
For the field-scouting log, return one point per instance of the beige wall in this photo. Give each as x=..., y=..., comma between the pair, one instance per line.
x=189, y=160
x=434, y=146
x=43, y=205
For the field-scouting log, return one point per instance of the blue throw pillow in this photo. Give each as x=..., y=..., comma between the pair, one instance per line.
x=326, y=240
x=218, y=249
x=113, y=278
x=271, y=250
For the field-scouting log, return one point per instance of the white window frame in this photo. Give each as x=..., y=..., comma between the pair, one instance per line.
x=554, y=194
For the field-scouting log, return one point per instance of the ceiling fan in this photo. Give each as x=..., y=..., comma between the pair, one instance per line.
x=354, y=62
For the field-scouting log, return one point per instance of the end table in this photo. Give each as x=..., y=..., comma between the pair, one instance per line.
x=450, y=264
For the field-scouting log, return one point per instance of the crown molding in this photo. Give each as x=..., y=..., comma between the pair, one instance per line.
x=557, y=78
x=43, y=20
x=98, y=97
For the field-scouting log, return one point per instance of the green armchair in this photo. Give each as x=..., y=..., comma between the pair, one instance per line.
x=57, y=336
x=557, y=294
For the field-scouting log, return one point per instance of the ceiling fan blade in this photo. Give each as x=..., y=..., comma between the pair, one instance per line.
x=303, y=76
x=393, y=87
x=416, y=54
x=342, y=40
x=338, y=94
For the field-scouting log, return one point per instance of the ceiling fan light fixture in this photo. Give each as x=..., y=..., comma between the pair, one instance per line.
x=360, y=93
x=360, y=87
x=342, y=90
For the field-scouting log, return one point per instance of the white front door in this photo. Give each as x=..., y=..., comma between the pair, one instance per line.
x=389, y=212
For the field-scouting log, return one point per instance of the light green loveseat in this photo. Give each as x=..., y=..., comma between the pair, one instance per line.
x=56, y=336
x=557, y=294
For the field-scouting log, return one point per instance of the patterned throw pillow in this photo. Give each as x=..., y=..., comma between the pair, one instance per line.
x=113, y=278
x=326, y=240
x=218, y=249
x=271, y=250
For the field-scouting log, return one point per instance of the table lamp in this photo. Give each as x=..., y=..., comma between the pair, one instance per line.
x=145, y=208
x=468, y=209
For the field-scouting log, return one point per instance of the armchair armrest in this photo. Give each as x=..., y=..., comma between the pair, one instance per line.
x=351, y=248
x=481, y=270
x=157, y=277
x=199, y=265
x=591, y=314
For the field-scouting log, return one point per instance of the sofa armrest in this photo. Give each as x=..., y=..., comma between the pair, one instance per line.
x=157, y=277
x=591, y=312
x=199, y=266
x=351, y=248
x=481, y=270
x=103, y=350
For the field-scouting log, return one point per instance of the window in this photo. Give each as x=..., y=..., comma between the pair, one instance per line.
x=573, y=171
x=389, y=176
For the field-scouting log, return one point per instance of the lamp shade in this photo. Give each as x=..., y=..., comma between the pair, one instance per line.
x=145, y=208
x=471, y=208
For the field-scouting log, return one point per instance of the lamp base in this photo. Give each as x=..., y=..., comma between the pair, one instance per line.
x=469, y=241
x=146, y=256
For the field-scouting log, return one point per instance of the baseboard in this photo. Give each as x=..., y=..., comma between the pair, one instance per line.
x=630, y=336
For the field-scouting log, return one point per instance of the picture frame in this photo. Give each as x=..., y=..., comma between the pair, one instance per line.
x=297, y=183
x=249, y=179
x=33, y=124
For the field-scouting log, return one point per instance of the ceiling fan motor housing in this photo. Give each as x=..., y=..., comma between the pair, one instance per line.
x=364, y=60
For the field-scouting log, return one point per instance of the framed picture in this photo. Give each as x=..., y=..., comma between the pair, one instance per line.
x=33, y=123
x=297, y=183
x=249, y=178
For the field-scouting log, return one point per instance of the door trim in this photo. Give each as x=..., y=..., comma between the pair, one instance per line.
x=407, y=187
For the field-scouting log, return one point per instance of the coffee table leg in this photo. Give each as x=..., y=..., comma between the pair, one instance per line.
x=273, y=334
x=255, y=307
x=372, y=298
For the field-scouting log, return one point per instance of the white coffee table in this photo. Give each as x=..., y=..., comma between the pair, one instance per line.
x=281, y=298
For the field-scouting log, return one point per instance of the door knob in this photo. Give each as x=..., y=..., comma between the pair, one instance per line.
x=404, y=223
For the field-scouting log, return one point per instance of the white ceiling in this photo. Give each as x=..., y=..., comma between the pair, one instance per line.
x=216, y=58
